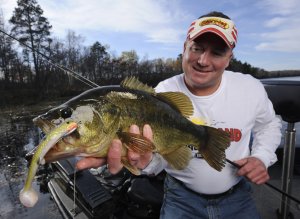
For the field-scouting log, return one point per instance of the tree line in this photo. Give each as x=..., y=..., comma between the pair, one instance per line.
x=39, y=65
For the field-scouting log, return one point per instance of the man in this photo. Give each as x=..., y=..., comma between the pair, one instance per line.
x=233, y=102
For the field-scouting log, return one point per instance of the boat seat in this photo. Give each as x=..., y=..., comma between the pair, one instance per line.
x=285, y=96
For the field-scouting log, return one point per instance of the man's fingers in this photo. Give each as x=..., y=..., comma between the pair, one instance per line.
x=241, y=162
x=254, y=169
x=147, y=132
x=133, y=157
x=114, y=157
x=90, y=162
x=261, y=179
x=134, y=129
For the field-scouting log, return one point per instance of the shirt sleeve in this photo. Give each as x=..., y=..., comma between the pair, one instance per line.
x=266, y=131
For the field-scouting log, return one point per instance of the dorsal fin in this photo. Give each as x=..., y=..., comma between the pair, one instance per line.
x=178, y=101
x=133, y=83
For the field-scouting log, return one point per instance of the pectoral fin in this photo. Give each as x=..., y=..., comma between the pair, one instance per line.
x=136, y=142
x=179, y=158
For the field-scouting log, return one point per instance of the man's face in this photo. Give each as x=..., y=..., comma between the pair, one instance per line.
x=204, y=61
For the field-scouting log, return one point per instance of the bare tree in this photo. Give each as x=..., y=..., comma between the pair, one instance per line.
x=7, y=54
x=33, y=29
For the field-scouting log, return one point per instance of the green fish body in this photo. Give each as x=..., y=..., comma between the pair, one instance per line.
x=105, y=113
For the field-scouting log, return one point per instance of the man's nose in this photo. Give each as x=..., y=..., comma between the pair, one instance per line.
x=203, y=59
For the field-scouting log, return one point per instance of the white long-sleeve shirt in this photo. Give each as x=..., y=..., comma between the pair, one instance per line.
x=240, y=106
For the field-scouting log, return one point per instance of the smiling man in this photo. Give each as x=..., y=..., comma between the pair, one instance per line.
x=234, y=102
x=228, y=101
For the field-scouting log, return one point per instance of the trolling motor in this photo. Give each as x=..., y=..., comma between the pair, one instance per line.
x=285, y=96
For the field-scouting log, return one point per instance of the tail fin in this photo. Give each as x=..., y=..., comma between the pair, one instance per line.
x=213, y=148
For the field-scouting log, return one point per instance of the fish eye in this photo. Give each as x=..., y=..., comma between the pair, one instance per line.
x=66, y=112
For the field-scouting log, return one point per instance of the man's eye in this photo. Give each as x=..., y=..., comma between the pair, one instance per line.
x=196, y=49
x=218, y=53
x=66, y=112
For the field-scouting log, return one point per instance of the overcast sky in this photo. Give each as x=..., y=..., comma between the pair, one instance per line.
x=268, y=30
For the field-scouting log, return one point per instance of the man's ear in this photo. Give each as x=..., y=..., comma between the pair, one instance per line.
x=229, y=58
x=231, y=55
x=184, y=46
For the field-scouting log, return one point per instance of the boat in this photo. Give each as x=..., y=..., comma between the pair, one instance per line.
x=96, y=193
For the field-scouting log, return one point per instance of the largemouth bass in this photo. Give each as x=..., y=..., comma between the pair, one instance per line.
x=28, y=196
x=105, y=113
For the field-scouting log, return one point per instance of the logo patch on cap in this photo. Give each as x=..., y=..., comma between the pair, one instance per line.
x=215, y=21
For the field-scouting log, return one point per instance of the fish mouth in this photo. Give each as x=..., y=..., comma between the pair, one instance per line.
x=67, y=146
x=64, y=148
x=53, y=155
x=56, y=153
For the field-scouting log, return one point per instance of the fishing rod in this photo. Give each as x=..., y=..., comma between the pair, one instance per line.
x=53, y=62
x=268, y=184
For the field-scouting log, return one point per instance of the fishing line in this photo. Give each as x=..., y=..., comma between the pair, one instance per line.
x=52, y=62
x=278, y=197
x=268, y=184
x=74, y=194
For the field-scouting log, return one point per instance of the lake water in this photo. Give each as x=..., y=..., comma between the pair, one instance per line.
x=17, y=137
x=296, y=78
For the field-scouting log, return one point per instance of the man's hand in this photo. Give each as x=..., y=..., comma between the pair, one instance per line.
x=140, y=160
x=113, y=159
x=254, y=169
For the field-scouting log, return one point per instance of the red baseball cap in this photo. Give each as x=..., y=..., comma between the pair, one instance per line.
x=223, y=27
